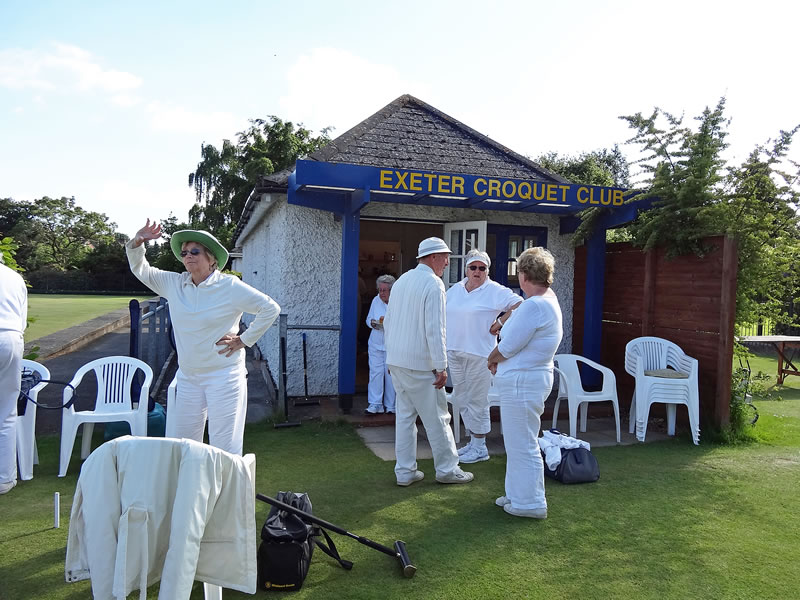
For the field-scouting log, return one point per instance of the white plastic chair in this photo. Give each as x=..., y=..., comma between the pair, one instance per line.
x=172, y=391
x=570, y=388
x=663, y=373
x=115, y=376
x=494, y=400
x=27, y=452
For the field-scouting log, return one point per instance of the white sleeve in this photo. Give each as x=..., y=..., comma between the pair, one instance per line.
x=435, y=326
x=157, y=280
x=372, y=310
x=526, y=318
x=250, y=300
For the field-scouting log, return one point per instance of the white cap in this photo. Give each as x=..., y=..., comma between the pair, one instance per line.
x=478, y=256
x=432, y=245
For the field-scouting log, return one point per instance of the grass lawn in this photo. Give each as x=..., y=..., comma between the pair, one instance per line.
x=54, y=312
x=666, y=520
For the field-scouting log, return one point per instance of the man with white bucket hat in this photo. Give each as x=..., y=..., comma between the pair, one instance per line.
x=414, y=329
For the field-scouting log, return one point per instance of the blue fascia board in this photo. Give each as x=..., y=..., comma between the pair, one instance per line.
x=621, y=215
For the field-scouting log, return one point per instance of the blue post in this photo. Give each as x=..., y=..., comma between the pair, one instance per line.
x=348, y=300
x=593, y=307
x=136, y=313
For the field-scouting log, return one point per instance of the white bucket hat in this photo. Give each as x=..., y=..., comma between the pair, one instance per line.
x=432, y=245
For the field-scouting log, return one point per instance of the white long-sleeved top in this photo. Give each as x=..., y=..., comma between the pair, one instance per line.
x=202, y=314
x=150, y=509
x=13, y=301
x=471, y=314
x=376, y=310
x=414, y=325
x=531, y=335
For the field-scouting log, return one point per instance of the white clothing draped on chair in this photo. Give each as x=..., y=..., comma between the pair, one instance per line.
x=159, y=509
x=115, y=376
x=663, y=373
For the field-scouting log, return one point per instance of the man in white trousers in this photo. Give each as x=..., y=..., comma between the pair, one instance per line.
x=13, y=317
x=414, y=329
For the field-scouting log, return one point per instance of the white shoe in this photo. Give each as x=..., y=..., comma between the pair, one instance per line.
x=457, y=476
x=474, y=455
x=7, y=487
x=531, y=513
x=465, y=448
x=502, y=501
x=417, y=476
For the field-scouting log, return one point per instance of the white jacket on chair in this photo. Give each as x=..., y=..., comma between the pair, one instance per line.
x=150, y=509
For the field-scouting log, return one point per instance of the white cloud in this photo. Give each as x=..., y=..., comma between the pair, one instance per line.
x=212, y=125
x=61, y=68
x=333, y=87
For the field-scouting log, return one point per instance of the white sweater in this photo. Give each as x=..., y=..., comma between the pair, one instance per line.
x=13, y=301
x=531, y=335
x=414, y=326
x=376, y=310
x=202, y=314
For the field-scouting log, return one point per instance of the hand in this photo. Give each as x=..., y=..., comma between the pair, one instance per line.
x=441, y=379
x=148, y=232
x=493, y=368
x=495, y=328
x=231, y=342
x=377, y=325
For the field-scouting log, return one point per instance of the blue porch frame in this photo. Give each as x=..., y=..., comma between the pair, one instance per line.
x=345, y=189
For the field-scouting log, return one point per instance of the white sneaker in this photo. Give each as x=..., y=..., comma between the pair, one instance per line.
x=7, y=487
x=474, y=455
x=531, y=513
x=465, y=448
x=502, y=501
x=417, y=476
x=457, y=476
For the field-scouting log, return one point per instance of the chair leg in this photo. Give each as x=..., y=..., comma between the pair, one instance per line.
x=615, y=404
x=86, y=442
x=68, y=431
x=555, y=413
x=672, y=410
x=584, y=411
x=26, y=451
x=573, y=419
x=632, y=414
x=211, y=591
x=641, y=423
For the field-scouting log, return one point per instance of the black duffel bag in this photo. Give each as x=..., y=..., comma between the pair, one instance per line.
x=287, y=544
x=578, y=465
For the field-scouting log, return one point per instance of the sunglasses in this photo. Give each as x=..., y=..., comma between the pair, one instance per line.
x=193, y=252
x=474, y=267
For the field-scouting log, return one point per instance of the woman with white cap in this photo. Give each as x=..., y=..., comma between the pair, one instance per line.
x=205, y=307
x=472, y=307
x=380, y=391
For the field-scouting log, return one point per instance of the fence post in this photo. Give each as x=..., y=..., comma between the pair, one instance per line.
x=283, y=327
x=727, y=318
x=136, y=315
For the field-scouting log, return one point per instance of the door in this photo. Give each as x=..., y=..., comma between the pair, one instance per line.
x=462, y=237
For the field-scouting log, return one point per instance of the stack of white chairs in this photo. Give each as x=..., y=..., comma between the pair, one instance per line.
x=27, y=452
x=665, y=374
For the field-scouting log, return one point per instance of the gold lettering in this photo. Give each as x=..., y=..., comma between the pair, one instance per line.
x=458, y=185
x=479, y=180
x=582, y=191
x=526, y=195
x=605, y=197
x=416, y=182
x=494, y=188
x=563, y=189
x=551, y=192
x=430, y=177
x=617, y=198
x=591, y=197
x=386, y=179
x=513, y=191
x=401, y=180
x=444, y=184
x=537, y=186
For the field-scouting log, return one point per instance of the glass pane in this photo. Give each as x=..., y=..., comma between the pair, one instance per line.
x=455, y=241
x=471, y=241
x=531, y=242
x=455, y=271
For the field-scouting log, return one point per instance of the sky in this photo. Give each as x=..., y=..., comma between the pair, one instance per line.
x=110, y=102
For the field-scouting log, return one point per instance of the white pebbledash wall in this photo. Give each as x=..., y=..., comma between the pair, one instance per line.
x=293, y=254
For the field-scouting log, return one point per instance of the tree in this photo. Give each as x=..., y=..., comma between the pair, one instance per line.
x=65, y=233
x=699, y=195
x=225, y=177
x=15, y=222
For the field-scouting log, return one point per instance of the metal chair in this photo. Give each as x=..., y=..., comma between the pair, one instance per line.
x=570, y=388
x=27, y=452
x=115, y=376
x=663, y=373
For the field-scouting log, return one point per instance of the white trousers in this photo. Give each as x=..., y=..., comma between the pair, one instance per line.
x=380, y=391
x=417, y=396
x=522, y=395
x=221, y=396
x=471, y=380
x=11, y=348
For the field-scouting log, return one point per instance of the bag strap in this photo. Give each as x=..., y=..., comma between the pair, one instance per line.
x=60, y=406
x=331, y=550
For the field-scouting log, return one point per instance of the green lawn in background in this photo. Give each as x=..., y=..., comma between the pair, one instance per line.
x=54, y=312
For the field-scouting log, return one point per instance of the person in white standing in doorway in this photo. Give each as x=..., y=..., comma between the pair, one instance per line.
x=13, y=318
x=380, y=391
x=414, y=329
x=472, y=306
x=205, y=307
